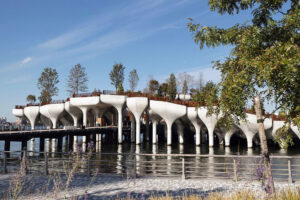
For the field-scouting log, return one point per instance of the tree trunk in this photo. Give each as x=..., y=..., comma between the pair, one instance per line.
x=264, y=145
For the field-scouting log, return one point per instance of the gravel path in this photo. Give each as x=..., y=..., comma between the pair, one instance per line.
x=114, y=187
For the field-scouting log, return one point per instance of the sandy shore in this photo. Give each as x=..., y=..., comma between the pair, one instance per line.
x=112, y=187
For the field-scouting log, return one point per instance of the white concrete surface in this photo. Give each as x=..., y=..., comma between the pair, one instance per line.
x=155, y=118
x=169, y=112
x=116, y=101
x=84, y=104
x=18, y=112
x=74, y=112
x=31, y=112
x=192, y=114
x=210, y=123
x=137, y=105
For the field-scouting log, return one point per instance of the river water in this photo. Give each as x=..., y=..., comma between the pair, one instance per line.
x=171, y=165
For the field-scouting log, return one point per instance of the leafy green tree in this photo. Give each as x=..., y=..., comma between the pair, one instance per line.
x=31, y=98
x=47, y=84
x=264, y=61
x=209, y=95
x=117, y=75
x=120, y=89
x=77, y=80
x=163, y=89
x=172, y=88
x=153, y=86
x=133, y=79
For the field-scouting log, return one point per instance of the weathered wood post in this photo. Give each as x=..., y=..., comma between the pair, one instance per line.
x=59, y=144
x=7, y=148
x=70, y=142
x=5, y=163
x=183, y=170
x=290, y=172
x=46, y=164
x=42, y=144
x=25, y=161
x=89, y=167
x=235, y=170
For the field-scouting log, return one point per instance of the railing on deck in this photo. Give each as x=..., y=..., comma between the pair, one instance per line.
x=233, y=167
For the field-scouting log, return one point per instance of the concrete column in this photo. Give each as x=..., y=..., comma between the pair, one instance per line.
x=54, y=121
x=169, y=132
x=53, y=144
x=48, y=143
x=137, y=105
x=133, y=127
x=84, y=113
x=147, y=127
x=180, y=130
x=31, y=146
x=198, y=136
x=75, y=143
x=154, y=131
x=138, y=131
x=120, y=125
x=228, y=136
x=211, y=137
x=249, y=137
x=181, y=148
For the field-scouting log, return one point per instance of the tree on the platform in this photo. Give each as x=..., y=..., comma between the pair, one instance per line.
x=120, y=89
x=133, y=79
x=47, y=84
x=153, y=86
x=172, y=87
x=185, y=81
x=77, y=80
x=31, y=98
x=117, y=75
x=208, y=95
x=163, y=89
x=264, y=61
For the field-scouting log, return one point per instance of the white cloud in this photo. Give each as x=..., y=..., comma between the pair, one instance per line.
x=17, y=65
x=26, y=60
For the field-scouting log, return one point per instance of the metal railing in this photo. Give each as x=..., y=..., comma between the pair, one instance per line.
x=234, y=167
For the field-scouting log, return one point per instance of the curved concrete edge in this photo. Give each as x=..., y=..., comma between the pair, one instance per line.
x=250, y=127
x=116, y=101
x=84, y=104
x=74, y=112
x=210, y=123
x=31, y=112
x=228, y=134
x=295, y=129
x=18, y=112
x=84, y=101
x=192, y=114
x=137, y=105
x=277, y=125
x=169, y=112
x=45, y=120
x=54, y=111
x=180, y=130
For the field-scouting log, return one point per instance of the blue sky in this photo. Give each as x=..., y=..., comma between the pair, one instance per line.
x=150, y=36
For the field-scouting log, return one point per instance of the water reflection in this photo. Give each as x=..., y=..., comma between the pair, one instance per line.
x=137, y=158
x=31, y=147
x=119, y=160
